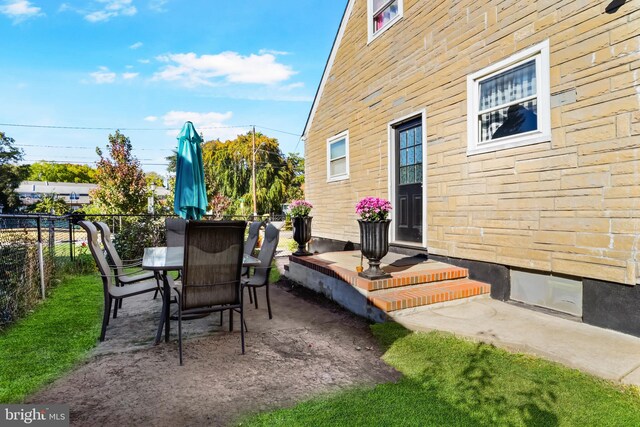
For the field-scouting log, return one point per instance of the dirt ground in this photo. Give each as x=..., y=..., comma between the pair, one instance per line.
x=310, y=347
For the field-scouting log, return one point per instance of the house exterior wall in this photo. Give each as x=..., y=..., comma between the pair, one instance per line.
x=570, y=205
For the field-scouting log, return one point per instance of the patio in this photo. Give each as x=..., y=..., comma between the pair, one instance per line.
x=309, y=347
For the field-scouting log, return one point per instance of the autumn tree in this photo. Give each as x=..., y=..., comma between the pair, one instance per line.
x=121, y=182
x=10, y=173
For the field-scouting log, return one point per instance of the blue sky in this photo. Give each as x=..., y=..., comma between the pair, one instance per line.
x=153, y=64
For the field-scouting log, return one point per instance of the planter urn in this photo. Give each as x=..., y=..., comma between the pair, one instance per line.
x=302, y=234
x=374, y=245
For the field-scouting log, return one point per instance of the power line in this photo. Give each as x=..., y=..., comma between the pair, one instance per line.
x=23, y=125
x=87, y=148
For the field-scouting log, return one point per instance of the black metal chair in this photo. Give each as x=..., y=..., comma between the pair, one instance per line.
x=111, y=291
x=118, y=266
x=260, y=275
x=211, y=274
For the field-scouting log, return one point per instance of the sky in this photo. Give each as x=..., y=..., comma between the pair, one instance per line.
x=74, y=71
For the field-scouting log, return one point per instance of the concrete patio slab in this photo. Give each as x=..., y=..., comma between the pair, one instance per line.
x=601, y=352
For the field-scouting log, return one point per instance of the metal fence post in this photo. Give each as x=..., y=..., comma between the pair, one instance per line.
x=71, y=242
x=41, y=258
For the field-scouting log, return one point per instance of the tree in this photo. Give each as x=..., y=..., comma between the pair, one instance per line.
x=50, y=203
x=10, y=173
x=295, y=163
x=61, y=172
x=121, y=184
x=154, y=178
x=228, y=172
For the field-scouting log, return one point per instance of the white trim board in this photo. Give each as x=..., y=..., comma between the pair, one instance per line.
x=328, y=66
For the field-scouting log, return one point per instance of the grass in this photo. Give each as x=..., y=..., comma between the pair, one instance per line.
x=51, y=340
x=453, y=382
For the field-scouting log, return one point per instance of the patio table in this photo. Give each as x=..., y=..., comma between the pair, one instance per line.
x=166, y=259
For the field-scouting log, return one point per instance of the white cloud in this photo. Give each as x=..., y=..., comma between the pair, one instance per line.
x=144, y=61
x=211, y=124
x=273, y=52
x=136, y=45
x=129, y=76
x=151, y=118
x=193, y=70
x=111, y=9
x=158, y=5
x=103, y=76
x=19, y=10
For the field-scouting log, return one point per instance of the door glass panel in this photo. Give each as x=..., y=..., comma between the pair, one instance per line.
x=410, y=158
x=403, y=140
x=403, y=175
x=419, y=173
x=418, y=153
x=410, y=140
x=403, y=157
x=418, y=135
x=411, y=175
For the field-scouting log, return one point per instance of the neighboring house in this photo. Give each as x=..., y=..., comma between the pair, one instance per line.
x=506, y=135
x=75, y=194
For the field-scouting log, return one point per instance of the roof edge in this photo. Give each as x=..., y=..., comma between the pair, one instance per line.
x=328, y=65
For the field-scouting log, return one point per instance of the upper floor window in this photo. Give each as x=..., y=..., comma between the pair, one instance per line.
x=381, y=15
x=338, y=157
x=508, y=102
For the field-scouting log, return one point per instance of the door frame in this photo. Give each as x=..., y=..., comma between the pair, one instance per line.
x=391, y=137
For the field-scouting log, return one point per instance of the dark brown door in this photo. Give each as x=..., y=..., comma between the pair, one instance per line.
x=409, y=181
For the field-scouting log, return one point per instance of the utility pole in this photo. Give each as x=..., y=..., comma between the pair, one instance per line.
x=253, y=172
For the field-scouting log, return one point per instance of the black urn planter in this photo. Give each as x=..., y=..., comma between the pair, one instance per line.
x=374, y=244
x=302, y=234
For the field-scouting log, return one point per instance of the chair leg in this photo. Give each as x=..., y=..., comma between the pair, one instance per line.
x=115, y=308
x=231, y=320
x=155, y=295
x=255, y=297
x=268, y=302
x=105, y=316
x=250, y=297
x=221, y=317
x=180, y=329
x=241, y=328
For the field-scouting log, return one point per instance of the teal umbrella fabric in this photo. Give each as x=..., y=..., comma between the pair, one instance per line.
x=190, y=192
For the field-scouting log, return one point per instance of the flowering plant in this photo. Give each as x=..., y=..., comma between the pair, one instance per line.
x=300, y=208
x=373, y=209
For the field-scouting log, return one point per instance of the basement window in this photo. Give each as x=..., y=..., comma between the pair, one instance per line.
x=338, y=157
x=508, y=103
x=382, y=14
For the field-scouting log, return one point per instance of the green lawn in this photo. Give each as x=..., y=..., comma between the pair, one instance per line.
x=453, y=382
x=48, y=342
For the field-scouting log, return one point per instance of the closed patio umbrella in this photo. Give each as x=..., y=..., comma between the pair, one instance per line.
x=190, y=192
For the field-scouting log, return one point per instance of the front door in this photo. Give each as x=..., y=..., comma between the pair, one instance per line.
x=408, y=137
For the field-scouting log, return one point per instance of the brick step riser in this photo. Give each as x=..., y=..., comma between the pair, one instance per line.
x=427, y=295
x=401, y=282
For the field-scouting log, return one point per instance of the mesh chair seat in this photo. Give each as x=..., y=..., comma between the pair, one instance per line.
x=260, y=275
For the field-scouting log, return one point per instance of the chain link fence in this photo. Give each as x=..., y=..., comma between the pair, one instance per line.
x=34, y=249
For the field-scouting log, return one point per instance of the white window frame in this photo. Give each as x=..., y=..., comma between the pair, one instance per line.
x=370, y=13
x=342, y=135
x=391, y=138
x=539, y=52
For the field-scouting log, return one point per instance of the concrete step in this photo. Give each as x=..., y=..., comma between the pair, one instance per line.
x=427, y=293
x=427, y=275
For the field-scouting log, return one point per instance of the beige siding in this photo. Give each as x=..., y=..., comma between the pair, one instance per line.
x=571, y=205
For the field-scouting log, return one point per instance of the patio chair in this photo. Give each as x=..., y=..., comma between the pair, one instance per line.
x=175, y=229
x=111, y=291
x=251, y=242
x=260, y=275
x=121, y=278
x=211, y=278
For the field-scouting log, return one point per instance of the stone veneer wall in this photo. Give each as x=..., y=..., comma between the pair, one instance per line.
x=571, y=205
